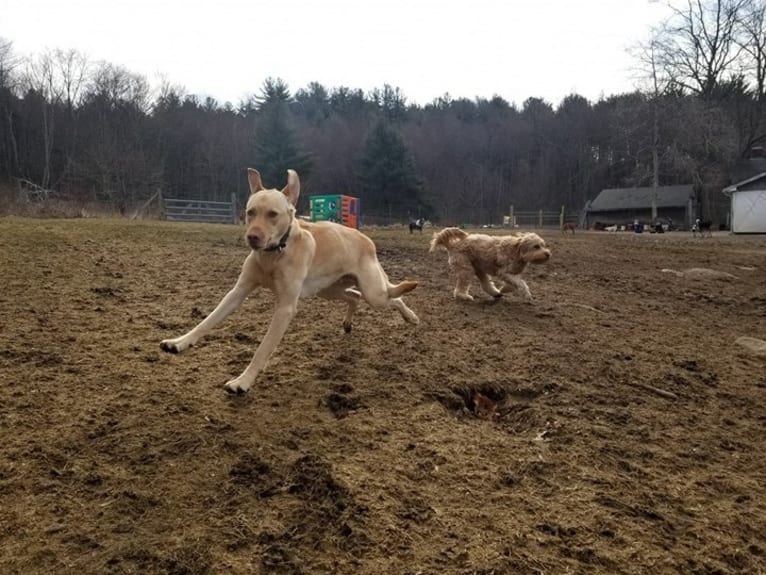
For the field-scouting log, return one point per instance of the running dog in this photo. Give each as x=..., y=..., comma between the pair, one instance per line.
x=297, y=259
x=702, y=228
x=417, y=225
x=501, y=257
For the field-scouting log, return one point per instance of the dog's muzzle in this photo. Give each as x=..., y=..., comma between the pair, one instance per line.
x=254, y=242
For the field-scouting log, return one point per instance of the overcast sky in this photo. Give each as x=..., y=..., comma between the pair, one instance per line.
x=467, y=48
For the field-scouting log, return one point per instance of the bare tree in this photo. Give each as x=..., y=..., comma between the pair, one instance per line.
x=699, y=45
x=751, y=111
x=72, y=68
x=115, y=84
x=40, y=77
x=8, y=63
x=115, y=160
x=656, y=82
x=753, y=44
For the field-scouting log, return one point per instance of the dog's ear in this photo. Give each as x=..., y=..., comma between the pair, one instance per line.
x=254, y=179
x=514, y=247
x=293, y=188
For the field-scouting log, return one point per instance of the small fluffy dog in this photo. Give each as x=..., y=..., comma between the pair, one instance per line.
x=297, y=259
x=501, y=257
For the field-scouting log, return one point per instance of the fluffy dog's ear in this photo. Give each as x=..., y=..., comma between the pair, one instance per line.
x=254, y=179
x=293, y=188
x=514, y=249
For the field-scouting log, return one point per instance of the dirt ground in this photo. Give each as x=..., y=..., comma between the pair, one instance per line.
x=620, y=428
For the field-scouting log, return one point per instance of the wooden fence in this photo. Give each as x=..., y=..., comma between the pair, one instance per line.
x=541, y=218
x=182, y=210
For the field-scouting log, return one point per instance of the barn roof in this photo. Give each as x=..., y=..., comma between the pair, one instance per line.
x=614, y=199
x=744, y=183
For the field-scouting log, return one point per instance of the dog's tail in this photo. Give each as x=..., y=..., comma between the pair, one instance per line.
x=446, y=238
x=402, y=288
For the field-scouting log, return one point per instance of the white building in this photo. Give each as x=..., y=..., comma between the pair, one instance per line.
x=748, y=205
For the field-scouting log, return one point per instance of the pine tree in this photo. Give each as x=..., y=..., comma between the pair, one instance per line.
x=275, y=147
x=389, y=183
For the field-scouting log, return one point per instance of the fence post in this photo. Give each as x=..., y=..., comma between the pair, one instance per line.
x=161, y=201
x=513, y=220
x=561, y=218
x=540, y=219
x=234, y=218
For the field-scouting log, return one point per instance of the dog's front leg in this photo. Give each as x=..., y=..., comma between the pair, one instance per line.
x=228, y=304
x=487, y=285
x=512, y=281
x=286, y=308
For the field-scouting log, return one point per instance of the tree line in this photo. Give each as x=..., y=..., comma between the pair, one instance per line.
x=96, y=132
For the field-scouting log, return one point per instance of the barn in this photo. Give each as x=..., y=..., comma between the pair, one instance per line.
x=624, y=205
x=748, y=205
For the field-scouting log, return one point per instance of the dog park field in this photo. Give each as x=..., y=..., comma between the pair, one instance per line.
x=613, y=425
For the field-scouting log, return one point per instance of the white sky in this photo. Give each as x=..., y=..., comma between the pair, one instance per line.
x=469, y=48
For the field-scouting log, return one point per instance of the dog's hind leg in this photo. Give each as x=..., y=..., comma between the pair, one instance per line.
x=352, y=297
x=373, y=282
x=339, y=291
x=464, y=271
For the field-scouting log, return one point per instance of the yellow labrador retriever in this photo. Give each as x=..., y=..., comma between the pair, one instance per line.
x=297, y=259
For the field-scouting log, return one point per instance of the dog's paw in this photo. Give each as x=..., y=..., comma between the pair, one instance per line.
x=173, y=346
x=235, y=387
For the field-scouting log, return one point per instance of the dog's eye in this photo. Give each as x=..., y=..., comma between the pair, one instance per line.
x=250, y=213
x=272, y=213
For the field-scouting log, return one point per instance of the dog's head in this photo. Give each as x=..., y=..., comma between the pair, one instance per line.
x=270, y=213
x=531, y=249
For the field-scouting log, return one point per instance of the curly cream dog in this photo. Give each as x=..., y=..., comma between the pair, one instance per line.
x=502, y=257
x=297, y=259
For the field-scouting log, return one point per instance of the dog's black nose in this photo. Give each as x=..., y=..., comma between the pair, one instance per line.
x=254, y=241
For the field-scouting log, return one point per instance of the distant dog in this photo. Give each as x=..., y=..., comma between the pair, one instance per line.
x=702, y=228
x=501, y=257
x=568, y=227
x=417, y=225
x=297, y=259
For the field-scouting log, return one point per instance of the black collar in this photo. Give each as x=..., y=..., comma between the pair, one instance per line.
x=282, y=241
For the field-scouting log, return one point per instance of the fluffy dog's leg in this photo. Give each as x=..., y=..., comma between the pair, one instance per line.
x=463, y=270
x=487, y=285
x=462, y=285
x=515, y=282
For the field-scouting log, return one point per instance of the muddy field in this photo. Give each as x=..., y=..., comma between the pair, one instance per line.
x=620, y=428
